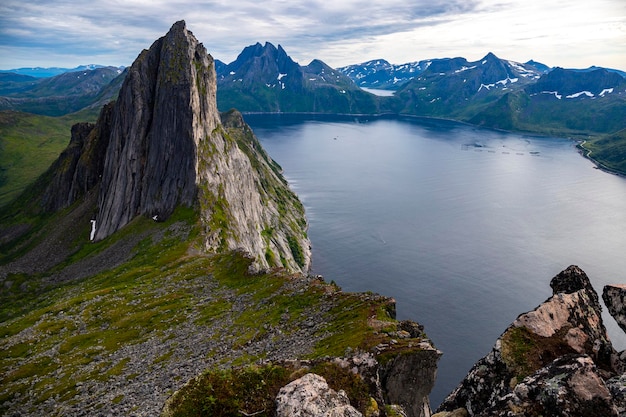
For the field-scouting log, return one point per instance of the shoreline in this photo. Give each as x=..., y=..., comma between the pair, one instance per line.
x=579, y=143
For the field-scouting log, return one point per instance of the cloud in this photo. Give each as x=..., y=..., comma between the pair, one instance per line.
x=71, y=32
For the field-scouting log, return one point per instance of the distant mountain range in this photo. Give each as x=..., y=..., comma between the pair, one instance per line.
x=64, y=93
x=39, y=72
x=264, y=78
x=380, y=74
x=491, y=92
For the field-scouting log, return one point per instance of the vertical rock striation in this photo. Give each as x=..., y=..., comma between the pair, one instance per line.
x=163, y=144
x=151, y=159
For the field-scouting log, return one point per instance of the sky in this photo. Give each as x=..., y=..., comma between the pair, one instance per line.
x=564, y=33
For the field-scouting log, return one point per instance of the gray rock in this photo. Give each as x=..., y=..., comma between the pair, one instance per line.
x=310, y=396
x=407, y=380
x=163, y=144
x=614, y=297
x=565, y=326
x=570, y=386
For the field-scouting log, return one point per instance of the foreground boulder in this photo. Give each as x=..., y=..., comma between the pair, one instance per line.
x=310, y=396
x=555, y=360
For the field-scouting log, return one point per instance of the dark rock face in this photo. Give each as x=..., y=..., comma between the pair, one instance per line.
x=162, y=144
x=554, y=360
x=408, y=379
x=57, y=195
x=151, y=160
x=571, y=280
x=80, y=166
x=569, y=386
x=614, y=297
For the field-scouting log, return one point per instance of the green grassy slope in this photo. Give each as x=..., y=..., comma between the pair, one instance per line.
x=609, y=151
x=167, y=307
x=29, y=143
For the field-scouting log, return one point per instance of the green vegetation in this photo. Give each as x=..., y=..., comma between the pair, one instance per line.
x=29, y=143
x=58, y=336
x=608, y=151
x=225, y=393
x=525, y=352
x=253, y=389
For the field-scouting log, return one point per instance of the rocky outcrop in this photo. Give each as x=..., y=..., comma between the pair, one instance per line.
x=554, y=360
x=150, y=163
x=310, y=396
x=163, y=144
x=614, y=297
x=57, y=194
x=391, y=374
x=408, y=379
x=569, y=386
x=168, y=147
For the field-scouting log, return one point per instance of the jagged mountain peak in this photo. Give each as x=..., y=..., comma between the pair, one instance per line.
x=163, y=144
x=262, y=64
x=490, y=57
x=570, y=83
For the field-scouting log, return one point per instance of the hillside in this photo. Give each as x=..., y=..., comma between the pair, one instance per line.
x=164, y=242
x=609, y=151
x=65, y=93
x=30, y=143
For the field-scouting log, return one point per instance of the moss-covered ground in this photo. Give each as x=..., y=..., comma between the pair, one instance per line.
x=61, y=340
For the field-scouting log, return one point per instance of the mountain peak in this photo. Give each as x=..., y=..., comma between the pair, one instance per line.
x=490, y=57
x=163, y=144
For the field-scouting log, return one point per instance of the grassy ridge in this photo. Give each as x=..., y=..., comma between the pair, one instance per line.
x=166, y=307
x=29, y=143
x=609, y=151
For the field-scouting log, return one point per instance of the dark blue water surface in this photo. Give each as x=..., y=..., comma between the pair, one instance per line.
x=463, y=226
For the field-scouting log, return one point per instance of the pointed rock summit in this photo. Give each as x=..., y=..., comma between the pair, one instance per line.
x=168, y=147
x=163, y=144
x=166, y=107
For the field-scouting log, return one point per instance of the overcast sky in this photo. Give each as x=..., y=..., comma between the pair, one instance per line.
x=566, y=33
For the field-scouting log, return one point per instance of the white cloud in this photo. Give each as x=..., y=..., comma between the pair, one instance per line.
x=573, y=33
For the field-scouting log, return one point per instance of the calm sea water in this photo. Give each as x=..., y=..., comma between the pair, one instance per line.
x=463, y=226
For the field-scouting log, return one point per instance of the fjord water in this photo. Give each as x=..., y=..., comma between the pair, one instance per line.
x=463, y=226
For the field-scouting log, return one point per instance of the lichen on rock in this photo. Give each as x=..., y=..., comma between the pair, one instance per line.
x=554, y=360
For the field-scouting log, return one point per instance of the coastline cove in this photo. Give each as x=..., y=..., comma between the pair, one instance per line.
x=462, y=225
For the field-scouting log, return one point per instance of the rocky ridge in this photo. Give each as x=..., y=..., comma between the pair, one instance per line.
x=555, y=360
x=163, y=145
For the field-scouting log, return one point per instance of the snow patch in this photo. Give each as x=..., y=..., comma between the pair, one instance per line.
x=575, y=95
x=507, y=80
x=464, y=68
x=606, y=91
x=92, y=235
x=232, y=73
x=486, y=86
x=556, y=93
x=280, y=76
x=484, y=62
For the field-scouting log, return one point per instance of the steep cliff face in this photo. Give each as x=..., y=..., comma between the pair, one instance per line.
x=157, y=123
x=168, y=147
x=555, y=360
x=163, y=144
